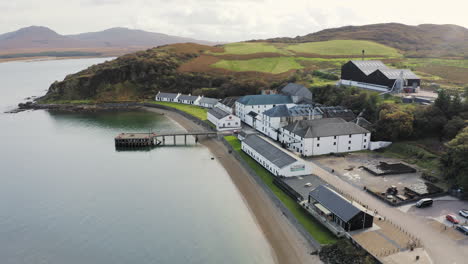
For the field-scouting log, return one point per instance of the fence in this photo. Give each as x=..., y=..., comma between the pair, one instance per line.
x=292, y=219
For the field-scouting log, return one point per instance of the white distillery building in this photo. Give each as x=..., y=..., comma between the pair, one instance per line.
x=250, y=106
x=228, y=104
x=270, y=121
x=324, y=136
x=167, y=97
x=188, y=99
x=223, y=120
x=274, y=159
x=207, y=102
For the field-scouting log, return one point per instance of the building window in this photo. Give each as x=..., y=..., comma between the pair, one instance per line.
x=318, y=145
x=334, y=137
x=365, y=146
x=318, y=138
x=349, y=148
x=349, y=142
x=365, y=140
x=349, y=136
x=334, y=143
x=365, y=134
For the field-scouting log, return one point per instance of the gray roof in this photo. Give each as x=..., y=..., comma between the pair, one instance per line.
x=265, y=99
x=334, y=202
x=207, y=100
x=187, y=97
x=324, y=127
x=167, y=95
x=277, y=111
x=304, y=110
x=337, y=111
x=394, y=74
x=269, y=151
x=369, y=66
x=294, y=89
x=218, y=112
x=229, y=101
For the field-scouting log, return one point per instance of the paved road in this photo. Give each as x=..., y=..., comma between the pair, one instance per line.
x=441, y=248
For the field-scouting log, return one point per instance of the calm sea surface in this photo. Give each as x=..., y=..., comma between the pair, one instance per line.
x=67, y=196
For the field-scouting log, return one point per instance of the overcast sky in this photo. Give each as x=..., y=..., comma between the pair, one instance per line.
x=225, y=20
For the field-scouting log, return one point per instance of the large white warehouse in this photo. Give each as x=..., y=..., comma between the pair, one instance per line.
x=274, y=159
x=324, y=136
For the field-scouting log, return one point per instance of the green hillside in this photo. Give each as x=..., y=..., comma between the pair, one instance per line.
x=266, y=65
x=345, y=47
x=242, y=48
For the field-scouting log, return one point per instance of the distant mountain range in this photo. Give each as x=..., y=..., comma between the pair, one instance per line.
x=40, y=39
x=422, y=40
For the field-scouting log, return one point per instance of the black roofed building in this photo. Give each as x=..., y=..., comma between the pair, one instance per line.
x=337, y=112
x=342, y=212
x=223, y=120
x=273, y=158
x=324, y=136
x=375, y=75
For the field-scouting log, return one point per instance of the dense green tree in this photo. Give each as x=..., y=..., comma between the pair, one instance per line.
x=454, y=163
x=456, y=105
x=428, y=121
x=453, y=126
x=443, y=101
x=393, y=123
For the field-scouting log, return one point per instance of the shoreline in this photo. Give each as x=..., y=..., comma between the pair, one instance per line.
x=286, y=243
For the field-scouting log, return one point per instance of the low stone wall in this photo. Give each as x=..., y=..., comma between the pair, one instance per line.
x=292, y=219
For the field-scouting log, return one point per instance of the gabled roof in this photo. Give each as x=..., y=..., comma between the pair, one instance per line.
x=265, y=99
x=207, y=100
x=324, y=127
x=394, y=74
x=334, y=202
x=229, y=101
x=167, y=95
x=369, y=66
x=218, y=112
x=269, y=151
x=277, y=111
x=187, y=97
x=294, y=89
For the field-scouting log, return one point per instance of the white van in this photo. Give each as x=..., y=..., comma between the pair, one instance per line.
x=424, y=202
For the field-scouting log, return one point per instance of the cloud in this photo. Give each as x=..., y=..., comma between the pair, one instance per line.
x=223, y=20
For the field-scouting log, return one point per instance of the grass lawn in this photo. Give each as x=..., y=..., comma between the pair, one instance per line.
x=242, y=48
x=196, y=111
x=268, y=65
x=317, y=230
x=345, y=47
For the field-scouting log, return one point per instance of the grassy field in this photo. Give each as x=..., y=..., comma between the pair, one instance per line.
x=242, y=48
x=268, y=65
x=196, y=111
x=318, y=231
x=344, y=47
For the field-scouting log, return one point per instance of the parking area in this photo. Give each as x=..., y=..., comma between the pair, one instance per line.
x=349, y=168
x=435, y=215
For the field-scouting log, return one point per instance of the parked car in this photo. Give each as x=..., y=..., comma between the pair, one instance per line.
x=464, y=213
x=452, y=219
x=463, y=229
x=424, y=202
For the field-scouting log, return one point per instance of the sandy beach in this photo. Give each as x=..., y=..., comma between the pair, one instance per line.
x=287, y=244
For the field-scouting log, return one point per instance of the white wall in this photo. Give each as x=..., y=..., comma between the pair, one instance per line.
x=225, y=108
x=226, y=123
x=243, y=110
x=298, y=168
x=325, y=145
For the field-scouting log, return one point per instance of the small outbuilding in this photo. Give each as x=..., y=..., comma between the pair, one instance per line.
x=347, y=214
x=167, y=97
x=207, y=102
x=223, y=120
x=188, y=99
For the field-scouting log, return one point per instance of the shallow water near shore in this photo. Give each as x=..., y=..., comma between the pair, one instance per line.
x=68, y=196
